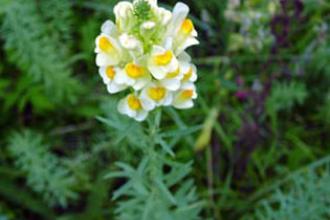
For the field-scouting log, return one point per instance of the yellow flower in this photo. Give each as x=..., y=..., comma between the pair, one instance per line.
x=182, y=29
x=154, y=95
x=144, y=50
x=185, y=96
x=132, y=107
x=108, y=75
x=108, y=51
x=162, y=62
x=134, y=75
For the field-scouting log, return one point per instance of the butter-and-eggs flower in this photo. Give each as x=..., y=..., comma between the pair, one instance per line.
x=155, y=95
x=144, y=51
x=182, y=29
x=161, y=62
x=108, y=74
x=183, y=99
x=134, y=75
x=131, y=106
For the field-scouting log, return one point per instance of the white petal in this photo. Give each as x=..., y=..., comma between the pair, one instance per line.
x=168, y=44
x=194, y=76
x=166, y=15
x=184, y=105
x=121, y=77
x=185, y=57
x=185, y=67
x=171, y=84
x=194, y=33
x=157, y=72
x=102, y=72
x=122, y=106
x=140, y=83
x=114, y=87
x=195, y=95
x=131, y=113
x=168, y=99
x=189, y=85
x=173, y=66
x=190, y=41
x=122, y=9
x=180, y=12
x=141, y=115
x=148, y=104
x=103, y=60
x=109, y=28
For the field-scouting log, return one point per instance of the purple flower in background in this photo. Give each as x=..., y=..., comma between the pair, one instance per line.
x=249, y=137
x=280, y=27
x=242, y=95
x=292, y=7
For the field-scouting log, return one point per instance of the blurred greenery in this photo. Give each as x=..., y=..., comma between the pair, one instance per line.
x=258, y=135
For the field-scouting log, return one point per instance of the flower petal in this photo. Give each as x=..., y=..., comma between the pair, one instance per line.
x=113, y=87
x=190, y=41
x=109, y=28
x=183, y=105
x=171, y=84
x=168, y=99
x=180, y=12
x=103, y=60
x=141, y=116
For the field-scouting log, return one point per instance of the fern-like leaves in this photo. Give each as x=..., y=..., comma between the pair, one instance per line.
x=285, y=95
x=154, y=194
x=36, y=50
x=45, y=174
x=304, y=195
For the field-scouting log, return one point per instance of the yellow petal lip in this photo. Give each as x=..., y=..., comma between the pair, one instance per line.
x=188, y=75
x=163, y=59
x=105, y=44
x=134, y=71
x=173, y=74
x=157, y=93
x=187, y=94
x=187, y=26
x=134, y=103
x=110, y=72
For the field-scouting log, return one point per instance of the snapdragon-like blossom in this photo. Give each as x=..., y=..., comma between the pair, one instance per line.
x=143, y=53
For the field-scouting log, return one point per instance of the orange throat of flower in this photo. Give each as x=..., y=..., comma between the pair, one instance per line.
x=163, y=59
x=157, y=93
x=134, y=103
x=134, y=71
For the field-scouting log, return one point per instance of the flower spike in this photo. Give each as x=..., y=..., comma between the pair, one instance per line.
x=143, y=52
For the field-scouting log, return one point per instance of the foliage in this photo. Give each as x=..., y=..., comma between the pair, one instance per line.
x=149, y=190
x=302, y=195
x=285, y=96
x=158, y=183
x=45, y=174
x=255, y=146
x=36, y=50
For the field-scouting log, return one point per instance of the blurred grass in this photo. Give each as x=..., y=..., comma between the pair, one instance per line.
x=262, y=112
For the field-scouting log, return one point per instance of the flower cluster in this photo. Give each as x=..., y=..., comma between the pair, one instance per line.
x=252, y=17
x=144, y=52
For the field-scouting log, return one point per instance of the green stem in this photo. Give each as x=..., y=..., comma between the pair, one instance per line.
x=210, y=180
x=154, y=126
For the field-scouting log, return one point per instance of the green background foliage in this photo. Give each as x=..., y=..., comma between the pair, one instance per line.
x=255, y=146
